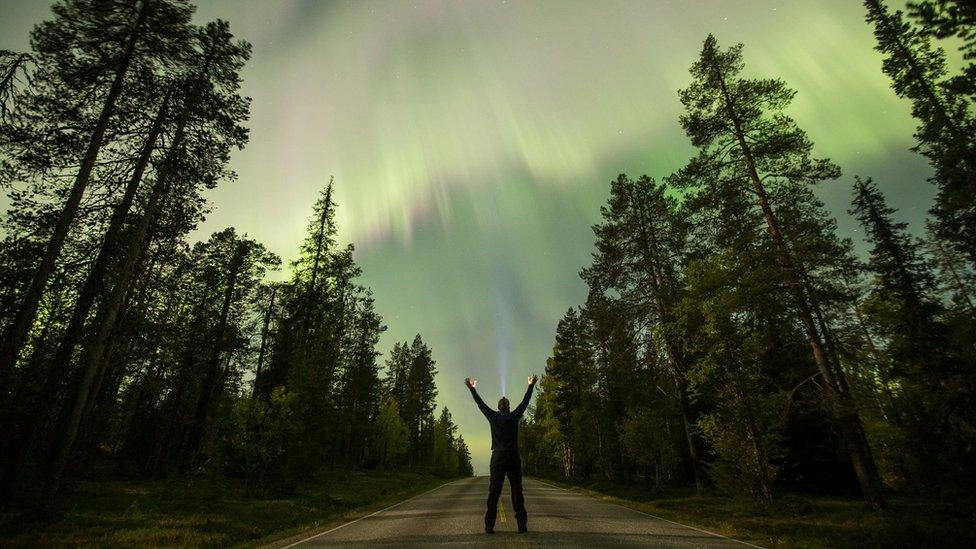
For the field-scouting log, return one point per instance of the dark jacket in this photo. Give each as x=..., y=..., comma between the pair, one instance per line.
x=504, y=425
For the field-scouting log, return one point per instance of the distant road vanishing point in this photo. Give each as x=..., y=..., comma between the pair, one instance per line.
x=453, y=514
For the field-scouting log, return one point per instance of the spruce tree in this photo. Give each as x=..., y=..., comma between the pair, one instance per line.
x=903, y=305
x=895, y=258
x=946, y=127
x=956, y=277
x=570, y=382
x=417, y=409
x=304, y=336
x=465, y=469
x=359, y=384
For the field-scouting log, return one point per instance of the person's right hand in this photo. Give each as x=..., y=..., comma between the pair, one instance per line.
x=532, y=379
x=471, y=383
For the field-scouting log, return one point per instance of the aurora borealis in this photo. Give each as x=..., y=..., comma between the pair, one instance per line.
x=472, y=142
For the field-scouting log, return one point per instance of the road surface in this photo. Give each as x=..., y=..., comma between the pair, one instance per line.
x=453, y=514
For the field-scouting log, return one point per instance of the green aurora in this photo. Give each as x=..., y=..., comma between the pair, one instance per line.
x=472, y=143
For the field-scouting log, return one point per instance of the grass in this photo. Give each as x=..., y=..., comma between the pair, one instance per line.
x=803, y=521
x=210, y=511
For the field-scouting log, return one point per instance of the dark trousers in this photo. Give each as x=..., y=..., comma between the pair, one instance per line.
x=505, y=463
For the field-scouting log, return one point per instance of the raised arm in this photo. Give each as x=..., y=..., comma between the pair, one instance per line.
x=520, y=409
x=488, y=412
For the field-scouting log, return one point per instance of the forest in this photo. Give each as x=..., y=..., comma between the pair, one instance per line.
x=125, y=343
x=733, y=340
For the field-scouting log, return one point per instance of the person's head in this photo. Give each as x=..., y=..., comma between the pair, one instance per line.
x=503, y=405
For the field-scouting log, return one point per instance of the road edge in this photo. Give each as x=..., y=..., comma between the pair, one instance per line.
x=291, y=541
x=695, y=528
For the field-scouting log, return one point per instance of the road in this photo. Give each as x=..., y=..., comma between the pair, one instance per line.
x=453, y=514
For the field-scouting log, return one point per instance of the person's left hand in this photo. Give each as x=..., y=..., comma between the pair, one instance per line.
x=471, y=383
x=532, y=379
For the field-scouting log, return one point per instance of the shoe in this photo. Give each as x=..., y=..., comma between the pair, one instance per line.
x=489, y=530
x=522, y=529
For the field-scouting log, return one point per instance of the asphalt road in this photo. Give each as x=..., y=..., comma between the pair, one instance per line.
x=453, y=514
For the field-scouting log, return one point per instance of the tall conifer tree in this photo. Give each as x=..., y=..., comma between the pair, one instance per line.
x=946, y=129
x=746, y=140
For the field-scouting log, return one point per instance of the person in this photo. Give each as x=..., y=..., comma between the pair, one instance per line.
x=505, y=458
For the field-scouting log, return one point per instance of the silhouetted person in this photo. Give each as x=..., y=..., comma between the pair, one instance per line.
x=505, y=458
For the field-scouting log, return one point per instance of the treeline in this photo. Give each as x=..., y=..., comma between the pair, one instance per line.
x=731, y=337
x=123, y=341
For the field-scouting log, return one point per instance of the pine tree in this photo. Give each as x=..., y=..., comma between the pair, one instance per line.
x=952, y=19
x=410, y=383
x=230, y=266
x=211, y=108
x=641, y=245
x=613, y=335
x=14, y=75
x=128, y=342
x=95, y=281
x=89, y=44
x=267, y=294
x=747, y=144
x=201, y=79
x=397, y=365
x=729, y=315
x=243, y=262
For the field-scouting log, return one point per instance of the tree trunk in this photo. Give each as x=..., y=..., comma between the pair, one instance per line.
x=94, y=282
x=651, y=253
x=879, y=365
x=155, y=461
x=211, y=380
x=109, y=366
x=264, y=341
x=685, y=407
x=841, y=404
x=765, y=487
x=948, y=265
x=16, y=336
x=18, y=427
x=84, y=429
x=113, y=303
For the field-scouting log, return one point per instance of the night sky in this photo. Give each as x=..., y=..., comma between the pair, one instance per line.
x=472, y=143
